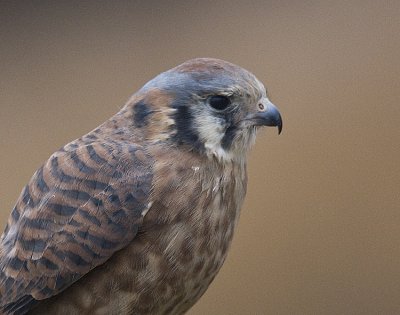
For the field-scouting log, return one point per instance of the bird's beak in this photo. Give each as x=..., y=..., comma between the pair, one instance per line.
x=267, y=115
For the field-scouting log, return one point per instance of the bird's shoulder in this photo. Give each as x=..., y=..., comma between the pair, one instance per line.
x=85, y=203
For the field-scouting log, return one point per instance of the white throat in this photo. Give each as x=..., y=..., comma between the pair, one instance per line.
x=211, y=132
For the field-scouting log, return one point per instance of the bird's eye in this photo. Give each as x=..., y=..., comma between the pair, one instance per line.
x=219, y=102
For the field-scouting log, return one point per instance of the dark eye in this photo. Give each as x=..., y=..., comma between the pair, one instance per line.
x=219, y=102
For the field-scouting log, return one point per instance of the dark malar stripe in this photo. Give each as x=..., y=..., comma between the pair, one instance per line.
x=228, y=137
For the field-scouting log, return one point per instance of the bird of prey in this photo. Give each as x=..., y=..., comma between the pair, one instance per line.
x=136, y=216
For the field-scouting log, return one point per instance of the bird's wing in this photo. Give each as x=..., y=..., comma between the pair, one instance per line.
x=83, y=205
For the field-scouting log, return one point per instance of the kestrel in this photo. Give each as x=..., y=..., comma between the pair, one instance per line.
x=136, y=216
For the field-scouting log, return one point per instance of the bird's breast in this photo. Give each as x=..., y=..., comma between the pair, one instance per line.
x=189, y=229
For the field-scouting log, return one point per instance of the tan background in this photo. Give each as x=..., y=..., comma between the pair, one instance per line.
x=320, y=230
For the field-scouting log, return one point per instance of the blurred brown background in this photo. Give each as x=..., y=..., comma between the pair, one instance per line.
x=320, y=229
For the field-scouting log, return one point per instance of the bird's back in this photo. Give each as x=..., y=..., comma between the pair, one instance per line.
x=84, y=204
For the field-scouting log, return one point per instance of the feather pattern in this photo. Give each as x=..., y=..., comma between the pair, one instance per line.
x=78, y=209
x=137, y=216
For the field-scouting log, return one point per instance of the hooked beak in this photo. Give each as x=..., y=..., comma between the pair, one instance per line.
x=267, y=115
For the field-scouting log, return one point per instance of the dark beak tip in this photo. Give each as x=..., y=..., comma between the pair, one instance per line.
x=273, y=117
x=280, y=125
x=270, y=117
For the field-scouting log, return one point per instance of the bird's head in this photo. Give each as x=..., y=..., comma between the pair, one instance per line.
x=207, y=105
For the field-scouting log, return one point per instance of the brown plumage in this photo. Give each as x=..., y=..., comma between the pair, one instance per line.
x=136, y=217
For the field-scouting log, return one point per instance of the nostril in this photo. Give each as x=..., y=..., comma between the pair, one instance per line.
x=261, y=106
